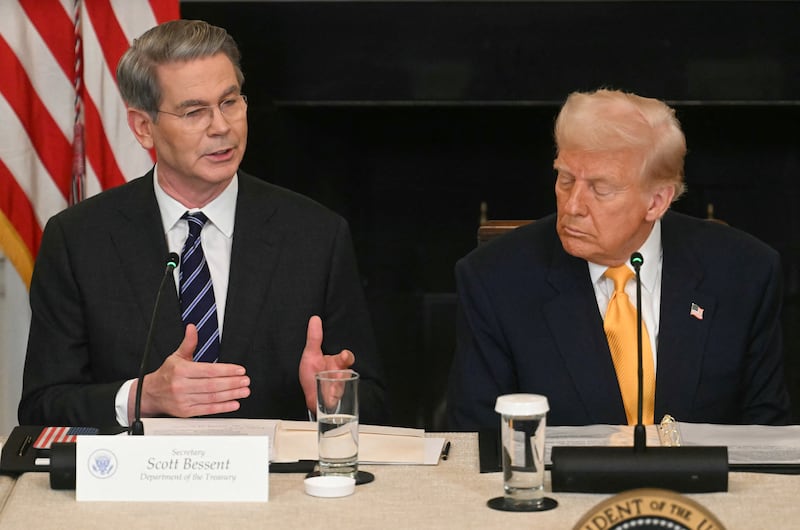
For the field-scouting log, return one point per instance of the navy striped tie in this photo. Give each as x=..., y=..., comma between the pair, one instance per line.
x=198, y=305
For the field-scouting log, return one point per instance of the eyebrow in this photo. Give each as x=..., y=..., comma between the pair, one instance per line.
x=591, y=178
x=203, y=103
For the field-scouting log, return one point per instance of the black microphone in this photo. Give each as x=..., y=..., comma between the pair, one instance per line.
x=137, y=427
x=614, y=469
x=62, y=455
x=639, y=433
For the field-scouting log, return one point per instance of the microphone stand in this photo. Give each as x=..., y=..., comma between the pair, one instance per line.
x=614, y=469
x=639, y=433
x=137, y=427
x=62, y=455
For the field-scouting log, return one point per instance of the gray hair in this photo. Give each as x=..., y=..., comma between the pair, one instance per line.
x=607, y=120
x=174, y=41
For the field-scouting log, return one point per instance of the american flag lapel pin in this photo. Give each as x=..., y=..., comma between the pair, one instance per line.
x=696, y=311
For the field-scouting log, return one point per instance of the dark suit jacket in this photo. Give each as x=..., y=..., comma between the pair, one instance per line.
x=528, y=322
x=95, y=282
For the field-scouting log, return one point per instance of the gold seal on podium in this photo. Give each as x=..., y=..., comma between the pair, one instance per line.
x=646, y=509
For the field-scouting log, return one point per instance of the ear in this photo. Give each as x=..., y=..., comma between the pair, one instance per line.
x=660, y=199
x=141, y=125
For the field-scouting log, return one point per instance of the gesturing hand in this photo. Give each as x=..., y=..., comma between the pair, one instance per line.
x=183, y=388
x=313, y=361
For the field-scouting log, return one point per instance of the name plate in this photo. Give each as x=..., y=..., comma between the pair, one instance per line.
x=172, y=468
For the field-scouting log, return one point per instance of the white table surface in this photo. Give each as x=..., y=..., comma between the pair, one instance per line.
x=450, y=495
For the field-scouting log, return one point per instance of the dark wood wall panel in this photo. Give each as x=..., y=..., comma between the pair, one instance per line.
x=405, y=116
x=705, y=51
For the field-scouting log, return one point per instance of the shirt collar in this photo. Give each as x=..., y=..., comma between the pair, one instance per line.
x=221, y=211
x=651, y=253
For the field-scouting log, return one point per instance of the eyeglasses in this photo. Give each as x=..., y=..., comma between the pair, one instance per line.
x=199, y=118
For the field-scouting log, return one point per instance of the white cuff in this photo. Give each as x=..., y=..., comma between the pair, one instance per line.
x=121, y=403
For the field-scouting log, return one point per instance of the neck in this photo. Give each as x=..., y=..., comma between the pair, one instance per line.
x=192, y=196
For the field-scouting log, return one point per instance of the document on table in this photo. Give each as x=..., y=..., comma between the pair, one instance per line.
x=594, y=435
x=747, y=444
x=211, y=427
x=297, y=440
x=291, y=441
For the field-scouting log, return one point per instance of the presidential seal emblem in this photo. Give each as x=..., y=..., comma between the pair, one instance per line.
x=649, y=509
x=102, y=463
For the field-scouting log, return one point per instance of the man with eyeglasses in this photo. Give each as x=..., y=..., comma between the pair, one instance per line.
x=261, y=269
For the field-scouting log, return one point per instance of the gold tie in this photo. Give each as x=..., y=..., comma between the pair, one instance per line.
x=620, y=327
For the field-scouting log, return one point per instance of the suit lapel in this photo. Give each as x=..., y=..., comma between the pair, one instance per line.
x=681, y=336
x=138, y=238
x=577, y=328
x=254, y=256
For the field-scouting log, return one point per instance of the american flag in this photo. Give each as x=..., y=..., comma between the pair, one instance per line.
x=63, y=125
x=696, y=311
x=52, y=435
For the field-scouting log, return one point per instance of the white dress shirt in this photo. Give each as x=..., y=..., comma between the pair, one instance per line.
x=217, y=240
x=650, y=273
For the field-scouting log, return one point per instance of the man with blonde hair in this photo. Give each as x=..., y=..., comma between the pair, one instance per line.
x=550, y=308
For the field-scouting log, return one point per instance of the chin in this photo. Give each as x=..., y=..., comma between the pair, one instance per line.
x=218, y=174
x=574, y=248
x=569, y=246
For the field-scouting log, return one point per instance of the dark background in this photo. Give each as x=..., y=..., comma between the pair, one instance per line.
x=405, y=116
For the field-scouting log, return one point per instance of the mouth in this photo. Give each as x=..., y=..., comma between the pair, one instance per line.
x=221, y=155
x=572, y=232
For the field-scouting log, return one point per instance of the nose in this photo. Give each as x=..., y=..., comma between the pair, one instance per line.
x=219, y=123
x=574, y=201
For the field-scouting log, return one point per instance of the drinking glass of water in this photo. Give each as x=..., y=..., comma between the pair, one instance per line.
x=522, y=429
x=337, y=418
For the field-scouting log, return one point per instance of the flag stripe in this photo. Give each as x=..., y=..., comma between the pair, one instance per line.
x=19, y=229
x=98, y=151
x=15, y=248
x=92, y=182
x=53, y=149
x=17, y=208
x=46, y=437
x=22, y=161
x=164, y=10
x=52, y=435
x=54, y=88
x=114, y=41
x=106, y=116
x=45, y=127
x=56, y=28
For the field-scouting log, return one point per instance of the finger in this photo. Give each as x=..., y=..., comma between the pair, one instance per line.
x=331, y=393
x=188, y=344
x=200, y=370
x=314, y=336
x=208, y=409
x=234, y=394
x=216, y=385
x=197, y=397
x=186, y=351
x=340, y=361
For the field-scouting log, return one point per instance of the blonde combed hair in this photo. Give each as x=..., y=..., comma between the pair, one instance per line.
x=611, y=120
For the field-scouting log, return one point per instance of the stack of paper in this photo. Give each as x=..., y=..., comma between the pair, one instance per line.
x=747, y=444
x=291, y=441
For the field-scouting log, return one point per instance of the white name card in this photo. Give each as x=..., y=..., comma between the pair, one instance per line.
x=172, y=468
